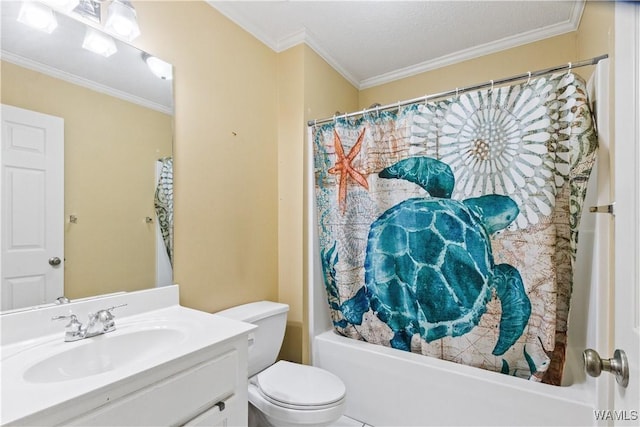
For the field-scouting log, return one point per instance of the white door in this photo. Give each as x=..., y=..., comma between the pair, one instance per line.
x=627, y=209
x=32, y=211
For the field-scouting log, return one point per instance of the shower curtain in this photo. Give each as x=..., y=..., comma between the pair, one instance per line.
x=164, y=204
x=449, y=228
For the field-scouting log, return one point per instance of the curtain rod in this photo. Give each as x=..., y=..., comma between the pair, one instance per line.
x=457, y=91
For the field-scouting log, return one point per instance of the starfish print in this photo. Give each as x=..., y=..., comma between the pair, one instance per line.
x=345, y=169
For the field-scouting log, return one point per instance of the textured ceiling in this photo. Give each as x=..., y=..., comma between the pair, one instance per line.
x=373, y=42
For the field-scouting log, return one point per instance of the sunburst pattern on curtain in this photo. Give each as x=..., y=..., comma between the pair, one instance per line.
x=164, y=204
x=449, y=228
x=528, y=155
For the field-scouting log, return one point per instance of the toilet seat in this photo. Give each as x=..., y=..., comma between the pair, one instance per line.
x=300, y=387
x=293, y=395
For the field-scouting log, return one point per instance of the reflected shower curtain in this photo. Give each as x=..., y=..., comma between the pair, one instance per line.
x=449, y=228
x=164, y=204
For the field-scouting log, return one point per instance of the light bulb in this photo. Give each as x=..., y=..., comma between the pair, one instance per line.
x=160, y=68
x=99, y=43
x=38, y=16
x=121, y=21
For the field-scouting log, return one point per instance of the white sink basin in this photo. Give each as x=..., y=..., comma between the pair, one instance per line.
x=103, y=353
x=47, y=381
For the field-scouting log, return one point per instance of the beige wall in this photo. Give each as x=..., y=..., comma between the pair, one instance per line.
x=239, y=145
x=595, y=34
x=110, y=151
x=290, y=172
x=239, y=200
x=326, y=91
x=307, y=88
x=225, y=153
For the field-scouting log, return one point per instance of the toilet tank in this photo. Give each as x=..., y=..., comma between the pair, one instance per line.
x=264, y=342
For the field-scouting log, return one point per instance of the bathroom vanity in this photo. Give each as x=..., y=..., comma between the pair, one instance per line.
x=162, y=365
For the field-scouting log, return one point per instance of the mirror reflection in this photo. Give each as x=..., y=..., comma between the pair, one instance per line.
x=105, y=225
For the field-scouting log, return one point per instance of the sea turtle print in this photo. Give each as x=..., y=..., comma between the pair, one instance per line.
x=429, y=267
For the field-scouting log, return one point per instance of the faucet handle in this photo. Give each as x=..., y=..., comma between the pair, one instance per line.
x=62, y=300
x=106, y=318
x=73, y=319
x=73, y=330
x=105, y=314
x=115, y=306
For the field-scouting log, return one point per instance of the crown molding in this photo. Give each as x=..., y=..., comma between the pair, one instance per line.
x=299, y=37
x=478, y=51
x=292, y=40
x=81, y=81
x=303, y=36
x=226, y=10
x=310, y=41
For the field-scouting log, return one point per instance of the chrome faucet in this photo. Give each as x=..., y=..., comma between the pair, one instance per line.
x=99, y=323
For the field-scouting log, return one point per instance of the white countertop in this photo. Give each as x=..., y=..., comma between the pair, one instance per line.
x=149, y=309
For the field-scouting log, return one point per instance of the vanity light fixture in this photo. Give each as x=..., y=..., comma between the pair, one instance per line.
x=38, y=16
x=99, y=43
x=89, y=9
x=158, y=67
x=63, y=5
x=121, y=20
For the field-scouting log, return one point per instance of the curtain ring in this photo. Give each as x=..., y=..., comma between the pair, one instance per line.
x=491, y=89
x=315, y=122
x=457, y=94
x=529, y=79
x=569, y=72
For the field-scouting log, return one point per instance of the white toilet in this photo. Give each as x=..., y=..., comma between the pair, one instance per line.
x=283, y=393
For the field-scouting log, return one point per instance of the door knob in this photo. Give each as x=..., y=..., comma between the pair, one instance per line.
x=617, y=365
x=54, y=261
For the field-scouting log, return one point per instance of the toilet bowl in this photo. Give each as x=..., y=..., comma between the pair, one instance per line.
x=290, y=394
x=284, y=394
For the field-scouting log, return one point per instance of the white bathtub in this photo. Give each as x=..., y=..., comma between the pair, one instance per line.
x=389, y=387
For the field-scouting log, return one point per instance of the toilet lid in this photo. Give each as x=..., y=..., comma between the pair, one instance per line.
x=300, y=385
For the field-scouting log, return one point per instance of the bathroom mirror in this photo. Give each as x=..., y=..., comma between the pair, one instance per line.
x=118, y=133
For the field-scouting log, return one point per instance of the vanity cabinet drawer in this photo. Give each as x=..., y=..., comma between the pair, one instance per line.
x=172, y=401
x=217, y=416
